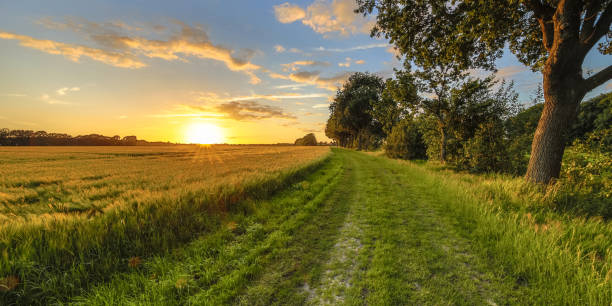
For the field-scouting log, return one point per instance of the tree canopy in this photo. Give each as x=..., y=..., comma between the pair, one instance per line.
x=551, y=36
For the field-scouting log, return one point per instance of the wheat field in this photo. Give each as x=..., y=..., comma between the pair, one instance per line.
x=73, y=215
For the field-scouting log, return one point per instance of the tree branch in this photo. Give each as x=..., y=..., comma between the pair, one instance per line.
x=592, y=10
x=598, y=78
x=540, y=10
x=543, y=13
x=602, y=27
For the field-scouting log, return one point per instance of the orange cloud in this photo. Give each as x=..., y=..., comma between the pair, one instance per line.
x=189, y=41
x=288, y=13
x=75, y=52
x=314, y=78
x=326, y=17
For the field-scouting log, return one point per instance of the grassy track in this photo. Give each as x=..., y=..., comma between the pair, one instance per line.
x=369, y=230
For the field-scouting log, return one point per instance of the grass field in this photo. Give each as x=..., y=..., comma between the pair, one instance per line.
x=340, y=228
x=73, y=215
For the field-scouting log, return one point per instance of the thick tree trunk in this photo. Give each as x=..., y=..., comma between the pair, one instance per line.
x=562, y=96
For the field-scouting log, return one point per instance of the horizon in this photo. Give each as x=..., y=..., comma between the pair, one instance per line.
x=181, y=72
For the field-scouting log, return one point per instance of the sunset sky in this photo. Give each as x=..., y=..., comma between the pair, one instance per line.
x=260, y=71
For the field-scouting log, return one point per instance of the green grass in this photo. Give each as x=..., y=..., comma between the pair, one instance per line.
x=363, y=229
x=57, y=257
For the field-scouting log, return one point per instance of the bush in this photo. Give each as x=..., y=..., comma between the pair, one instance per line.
x=307, y=140
x=585, y=185
x=487, y=150
x=405, y=141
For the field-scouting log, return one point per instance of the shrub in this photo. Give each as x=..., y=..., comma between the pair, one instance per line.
x=405, y=141
x=487, y=150
x=585, y=185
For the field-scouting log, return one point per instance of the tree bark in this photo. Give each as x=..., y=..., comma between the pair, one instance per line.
x=562, y=95
x=443, y=141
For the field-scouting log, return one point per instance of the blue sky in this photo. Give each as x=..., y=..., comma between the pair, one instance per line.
x=262, y=71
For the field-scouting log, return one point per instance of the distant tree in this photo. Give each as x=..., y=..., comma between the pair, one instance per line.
x=553, y=37
x=352, y=120
x=129, y=140
x=308, y=140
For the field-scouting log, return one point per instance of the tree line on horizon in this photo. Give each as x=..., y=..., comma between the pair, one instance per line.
x=42, y=138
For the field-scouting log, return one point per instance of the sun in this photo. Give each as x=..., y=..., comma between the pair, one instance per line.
x=204, y=133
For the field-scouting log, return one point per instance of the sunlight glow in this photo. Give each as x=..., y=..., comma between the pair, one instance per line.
x=204, y=133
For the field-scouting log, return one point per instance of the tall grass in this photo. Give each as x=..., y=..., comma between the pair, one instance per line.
x=59, y=255
x=560, y=258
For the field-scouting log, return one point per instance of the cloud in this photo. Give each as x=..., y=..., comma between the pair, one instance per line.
x=288, y=13
x=63, y=91
x=52, y=101
x=247, y=110
x=17, y=95
x=509, y=71
x=214, y=98
x=609, y=86
x=75, y=52
x=291, y=86
x=279, y=49
x=356, y=48
x=321, y=105
x=326, y=17
x=294, y=66
x=346, y=64
x=192, y=41
x=120, y=49
x=314, y=78
x=359, y=62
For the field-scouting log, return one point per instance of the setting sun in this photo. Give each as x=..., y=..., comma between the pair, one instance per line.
x=204, y=133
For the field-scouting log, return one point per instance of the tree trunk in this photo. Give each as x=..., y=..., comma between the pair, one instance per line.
x=443, y=141
x=562, y=96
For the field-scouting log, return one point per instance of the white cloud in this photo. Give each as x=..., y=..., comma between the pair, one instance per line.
x=356, y=48
x=326, y=17
x=279, y=49
x=359, y=62
x=294, y=66
x=288, y=13
x=509, y=71
x=322, y=105
x=346, y=64
x=63, y=91
x=17, y=95
x=314, y=78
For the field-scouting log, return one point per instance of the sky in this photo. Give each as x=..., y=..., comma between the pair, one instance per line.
x=247, y=71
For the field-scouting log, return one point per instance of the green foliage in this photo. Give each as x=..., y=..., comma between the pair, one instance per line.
x=594, y=114
x=472, y=34
x=405, y=141
x=308, y=140
x=487, y=150
x=354, y=121
x=585, y=186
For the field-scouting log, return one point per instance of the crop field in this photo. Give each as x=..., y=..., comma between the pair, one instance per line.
x=71, y=215
x=73, y=180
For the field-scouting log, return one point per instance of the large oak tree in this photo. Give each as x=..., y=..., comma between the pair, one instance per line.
x=551, y=36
